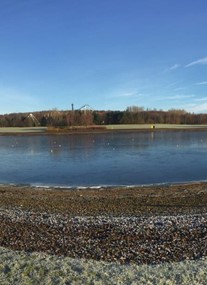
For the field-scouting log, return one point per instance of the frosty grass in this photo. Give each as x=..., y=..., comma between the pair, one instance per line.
x=17, y=267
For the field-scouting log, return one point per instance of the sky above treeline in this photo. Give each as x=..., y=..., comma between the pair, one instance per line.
x=109, y=54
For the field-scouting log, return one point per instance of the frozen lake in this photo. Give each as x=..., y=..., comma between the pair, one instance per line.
x=119, y=158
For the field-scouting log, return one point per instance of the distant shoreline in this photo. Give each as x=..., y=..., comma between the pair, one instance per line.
x=98, y=129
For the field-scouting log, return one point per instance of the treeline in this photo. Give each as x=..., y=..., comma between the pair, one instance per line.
x=132, y=115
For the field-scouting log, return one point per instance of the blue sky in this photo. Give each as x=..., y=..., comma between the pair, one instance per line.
x=109, y=54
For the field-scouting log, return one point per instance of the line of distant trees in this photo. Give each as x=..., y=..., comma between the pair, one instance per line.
x=132, y=115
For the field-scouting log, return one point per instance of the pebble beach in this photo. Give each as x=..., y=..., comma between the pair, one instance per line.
x=127, y=227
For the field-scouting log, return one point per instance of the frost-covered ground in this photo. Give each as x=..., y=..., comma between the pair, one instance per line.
x=38, y=268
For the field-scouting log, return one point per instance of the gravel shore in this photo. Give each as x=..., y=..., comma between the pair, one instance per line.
x=146, y=225
x=141, y=240
x=126, y=226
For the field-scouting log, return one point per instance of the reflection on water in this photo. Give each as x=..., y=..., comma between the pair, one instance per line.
x=128, y=158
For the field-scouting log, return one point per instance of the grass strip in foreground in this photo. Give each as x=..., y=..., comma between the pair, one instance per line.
x=39, y=268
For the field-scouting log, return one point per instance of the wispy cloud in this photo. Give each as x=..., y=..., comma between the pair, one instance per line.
x=173, y=84
x=130, y=94
x=179, y=97
x=197, y=105
x=126, y=94
x=202, y=83
x=201, y=61
x=201, y=99
x=197, y=108
x=180, y=88
x=175, y=66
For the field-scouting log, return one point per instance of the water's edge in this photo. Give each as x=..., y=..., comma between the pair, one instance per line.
x=97, y=187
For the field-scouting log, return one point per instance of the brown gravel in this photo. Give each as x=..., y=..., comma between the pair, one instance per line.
x=141, y=225
x=172, y=199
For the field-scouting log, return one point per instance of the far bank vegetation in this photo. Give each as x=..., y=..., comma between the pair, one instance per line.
x=69, y=118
